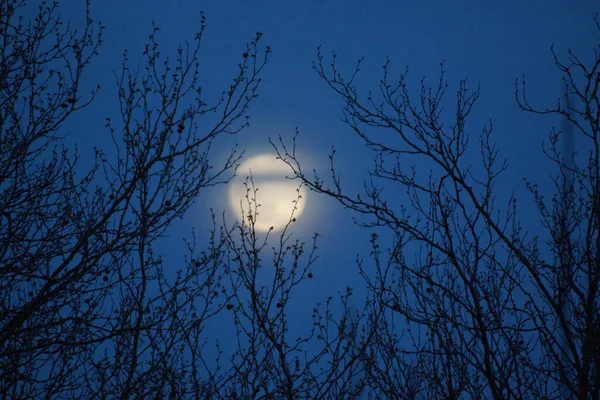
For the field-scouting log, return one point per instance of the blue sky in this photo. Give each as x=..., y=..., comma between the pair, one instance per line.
x=491, y=43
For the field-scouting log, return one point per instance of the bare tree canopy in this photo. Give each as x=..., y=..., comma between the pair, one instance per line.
x=475, y=305
x=88, y=306
x=466, y=303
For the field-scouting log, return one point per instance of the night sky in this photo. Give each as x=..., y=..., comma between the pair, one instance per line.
x=490, y=43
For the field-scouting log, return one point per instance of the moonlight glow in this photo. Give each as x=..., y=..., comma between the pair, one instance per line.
x=276, y=195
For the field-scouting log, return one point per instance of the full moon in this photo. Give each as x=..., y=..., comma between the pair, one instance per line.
x=276, y=196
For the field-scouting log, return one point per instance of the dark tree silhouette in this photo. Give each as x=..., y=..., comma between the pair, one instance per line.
x=87, y=309
x=465, y=304
x=475, y=305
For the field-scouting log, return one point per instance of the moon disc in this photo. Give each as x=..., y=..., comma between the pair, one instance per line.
x=276, y=195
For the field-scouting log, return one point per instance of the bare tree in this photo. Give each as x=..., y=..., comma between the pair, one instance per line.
x=88, y=307
x=273, y=361
x=475, y=306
